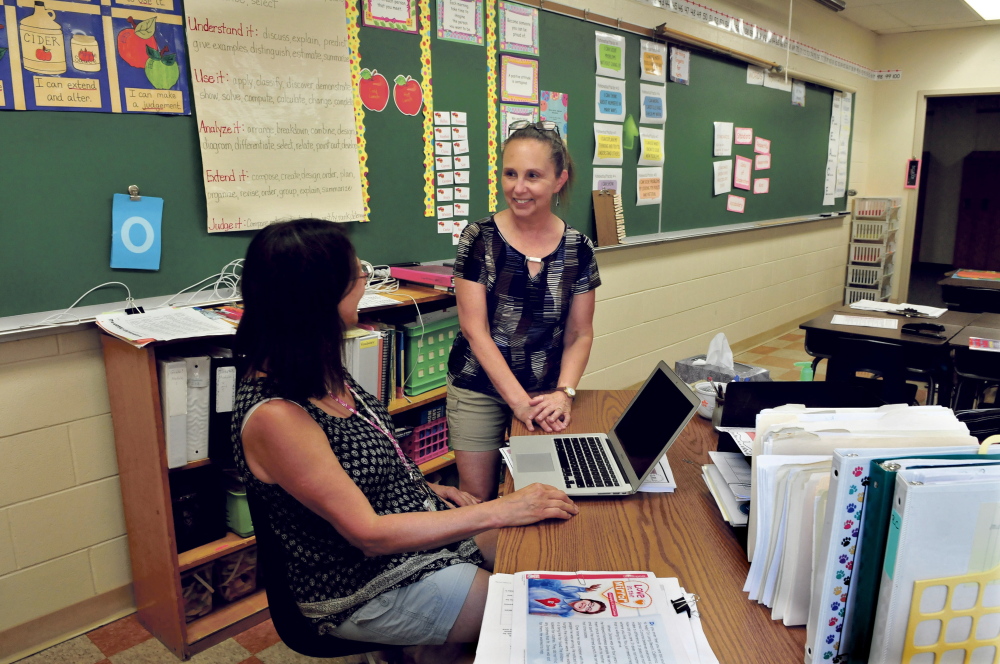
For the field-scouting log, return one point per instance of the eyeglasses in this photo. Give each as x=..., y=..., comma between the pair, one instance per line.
x=366, y=271
x=544, y=125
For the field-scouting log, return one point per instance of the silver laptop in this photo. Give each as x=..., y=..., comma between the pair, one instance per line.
x=616, y=463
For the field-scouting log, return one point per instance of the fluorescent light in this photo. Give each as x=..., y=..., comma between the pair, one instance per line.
x=988, y=9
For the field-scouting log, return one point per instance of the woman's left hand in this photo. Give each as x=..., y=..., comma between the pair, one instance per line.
x=556, y=409
x=453, y=496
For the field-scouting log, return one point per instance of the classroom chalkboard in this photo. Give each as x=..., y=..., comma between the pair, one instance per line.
x=61, y=169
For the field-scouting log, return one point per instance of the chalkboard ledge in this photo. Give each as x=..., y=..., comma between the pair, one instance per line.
x=673, y=236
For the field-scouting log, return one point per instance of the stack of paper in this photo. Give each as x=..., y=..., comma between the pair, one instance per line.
x=919, y=310
x=590, y=617
x=728, y=479
x=791, y=480
x=163, y=325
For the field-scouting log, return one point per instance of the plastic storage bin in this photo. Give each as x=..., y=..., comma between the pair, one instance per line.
x=874, y=231
x=235, y=575
x=238, y=512
x=879, y=293
x=869, y=275
x=427, y=351
x=428, y=441
x=197, y=591
x=870, y=253
x=877, y=208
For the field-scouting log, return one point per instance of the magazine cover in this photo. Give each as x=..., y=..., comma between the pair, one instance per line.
x=584, y=617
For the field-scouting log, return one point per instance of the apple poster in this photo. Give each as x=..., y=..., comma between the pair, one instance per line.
x=66, y=57
x=277, y=132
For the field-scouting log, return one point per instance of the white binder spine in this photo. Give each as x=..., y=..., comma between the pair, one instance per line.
x=198, y=382
x=173, y=401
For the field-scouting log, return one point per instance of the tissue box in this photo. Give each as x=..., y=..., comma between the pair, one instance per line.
x=690, y=372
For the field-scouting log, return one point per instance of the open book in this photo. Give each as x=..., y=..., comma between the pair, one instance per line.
x=613, y=617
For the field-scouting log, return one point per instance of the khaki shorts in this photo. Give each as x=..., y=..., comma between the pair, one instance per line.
x=476, y=421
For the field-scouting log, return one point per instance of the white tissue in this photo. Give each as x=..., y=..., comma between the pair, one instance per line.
x=719, y=352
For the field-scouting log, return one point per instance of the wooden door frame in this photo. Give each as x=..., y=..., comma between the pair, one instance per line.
x=910, y=196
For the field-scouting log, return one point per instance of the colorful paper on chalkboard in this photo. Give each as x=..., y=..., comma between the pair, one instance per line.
x=743, y=136
x=456, y=230
x=680, y=65
x=511, y=113
x=798, y=93
x=652, y=62
x=609, y=99
x=736, y=203
x=461, y=209
x=247, y=174
x=742, y=173
x=458, y=118
x=651, y=152
x=518, y=79
x=755, y=75
x=442, y=133
x=607, y=144
x=723, y=145
x=518, y=28
x=607, y=179
x=399, y=15
x=777, y=82
x=461, y=193
x=555, y=108
x=442, y=118
x=442, y=148
x=761, y=145
x=648, y=186
x=462, y=161
x=609, y=51
x=459, y=133
x=444, y=194
x=461, y=147
x=723, y=176
x=761, y=162
x=445, y=226
x=461, y=177
x=136, y=232
x=761, y=185
x=443, y=163
x=445, y=178
x=445, y=211
x=460, y=20
x=653, y=99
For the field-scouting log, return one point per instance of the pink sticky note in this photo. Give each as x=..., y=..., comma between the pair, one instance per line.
x=761, y=185
x=762, y=146
x=743, y=136
x=762, y=162
x=736, y=203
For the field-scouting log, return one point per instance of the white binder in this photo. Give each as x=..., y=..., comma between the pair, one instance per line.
x=173, y=401
x=944, y=530
x=199, y=378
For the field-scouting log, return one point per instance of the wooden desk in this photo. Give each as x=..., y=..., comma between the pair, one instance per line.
x=971, y=294
x=679, y=535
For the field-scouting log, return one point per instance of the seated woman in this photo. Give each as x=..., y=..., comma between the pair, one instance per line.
x=375, y=553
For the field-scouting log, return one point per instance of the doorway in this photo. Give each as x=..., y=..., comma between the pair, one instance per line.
x=957, y=222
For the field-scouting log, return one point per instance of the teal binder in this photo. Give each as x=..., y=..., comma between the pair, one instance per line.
x=874, y=536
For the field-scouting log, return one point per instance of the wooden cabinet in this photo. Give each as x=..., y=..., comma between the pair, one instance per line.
x=134, y=393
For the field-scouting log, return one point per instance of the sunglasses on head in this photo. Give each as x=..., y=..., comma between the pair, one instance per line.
x=544, y=125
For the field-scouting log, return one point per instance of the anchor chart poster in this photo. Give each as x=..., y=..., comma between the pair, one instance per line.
x=121, y=56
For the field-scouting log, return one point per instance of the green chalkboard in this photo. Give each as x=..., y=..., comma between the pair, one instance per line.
x=60, y=170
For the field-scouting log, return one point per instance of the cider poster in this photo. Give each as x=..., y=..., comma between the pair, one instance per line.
x=275, y=112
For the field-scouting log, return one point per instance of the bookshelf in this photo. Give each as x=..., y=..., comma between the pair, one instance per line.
x=134, y=393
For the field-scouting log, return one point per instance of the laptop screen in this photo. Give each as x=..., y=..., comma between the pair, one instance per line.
x=656, y=416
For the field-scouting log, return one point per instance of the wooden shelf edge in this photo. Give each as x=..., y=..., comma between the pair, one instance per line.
x=226, y=615
x=438, y=463
x=209, y=552
x=402, y=405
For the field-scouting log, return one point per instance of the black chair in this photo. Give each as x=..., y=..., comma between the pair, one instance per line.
x=972, y=298
x=816, y=355
x=295, y=630
x=982, y=423
x=975, y=369
x=882, y=359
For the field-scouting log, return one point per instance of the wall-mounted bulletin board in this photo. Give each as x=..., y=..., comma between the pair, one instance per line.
x=62, y=169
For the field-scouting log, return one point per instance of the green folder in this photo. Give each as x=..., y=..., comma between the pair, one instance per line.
x=868, y=572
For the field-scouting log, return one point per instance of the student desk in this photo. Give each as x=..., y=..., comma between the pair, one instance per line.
x=975, y=366
x=923, y=354
x=970, y=294
x=680, y=534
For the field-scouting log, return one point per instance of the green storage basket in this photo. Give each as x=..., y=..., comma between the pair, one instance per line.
x=427, y=355
x=238, y=513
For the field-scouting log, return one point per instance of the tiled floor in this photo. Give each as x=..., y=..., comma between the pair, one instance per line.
x=125, y=641
x=779, y=356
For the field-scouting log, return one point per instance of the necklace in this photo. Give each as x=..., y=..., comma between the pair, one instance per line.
x=429, y=504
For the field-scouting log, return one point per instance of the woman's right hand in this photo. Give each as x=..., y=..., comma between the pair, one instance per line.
x=534, y=503
x=526, y=410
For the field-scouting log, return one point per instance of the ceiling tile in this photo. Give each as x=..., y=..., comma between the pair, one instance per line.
x=930, y=13
x=873, y=18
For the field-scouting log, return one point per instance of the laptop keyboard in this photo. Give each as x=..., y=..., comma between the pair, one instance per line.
x=583, y=462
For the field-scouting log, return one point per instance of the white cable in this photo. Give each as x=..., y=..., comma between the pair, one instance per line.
x=788, y=41
x=228, y=278
x=54, y=318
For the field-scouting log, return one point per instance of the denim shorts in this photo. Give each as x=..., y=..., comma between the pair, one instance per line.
x=421, y=613
x=476, y=421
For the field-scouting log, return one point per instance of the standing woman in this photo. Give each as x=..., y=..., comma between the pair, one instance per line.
x=373, y=551
x=525, y=284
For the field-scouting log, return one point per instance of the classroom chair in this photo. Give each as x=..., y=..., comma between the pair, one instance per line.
x=883, y=360
x=295, y=630
x=977, y=371
x=972, y=299
x=982, y=423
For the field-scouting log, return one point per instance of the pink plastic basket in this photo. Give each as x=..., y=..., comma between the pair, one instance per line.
x=428, y=441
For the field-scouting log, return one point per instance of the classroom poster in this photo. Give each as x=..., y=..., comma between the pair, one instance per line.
x=609, y=50
x=654, y=104
x=276, y=131
x=518, y=79
x=518, y=28
x=680, y=65
x=511, y=113
x=761, y=185
x=607, y=179
x=762, y=162
x=652, y=62
x=399, y=15
x=554, y=107
x=742, y=173
x=609, y=99
x=762, y=145
x=722, y=172
x=743, y=136
x=651, y=146
x=840, y=184
x=69, y=56
x=608, y=144
x=460, y=20
x=736, y=204
x=648, y=186
x=798, y=93
x=755, y=75
x=723, y=143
